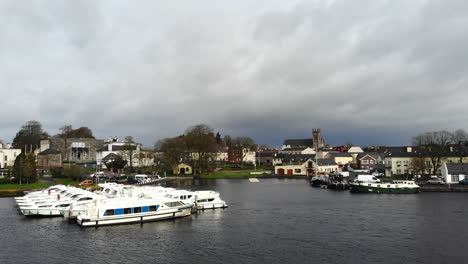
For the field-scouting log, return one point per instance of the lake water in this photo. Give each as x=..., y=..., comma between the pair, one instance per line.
x=273, y=221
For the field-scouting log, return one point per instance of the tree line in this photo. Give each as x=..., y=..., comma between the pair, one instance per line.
x=198, y=147
x=435, y=146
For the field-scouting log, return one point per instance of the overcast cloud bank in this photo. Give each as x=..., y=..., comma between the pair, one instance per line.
x=368, y=72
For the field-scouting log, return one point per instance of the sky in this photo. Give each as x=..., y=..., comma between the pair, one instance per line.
x=369, y=72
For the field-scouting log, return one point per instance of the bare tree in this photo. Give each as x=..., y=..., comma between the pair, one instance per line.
x=201, y=143
x=460, y=141
x=129, y=149
x=246, y=144
x=174, y=150
x=417, y=165
x=65, y=131
x=434, y=146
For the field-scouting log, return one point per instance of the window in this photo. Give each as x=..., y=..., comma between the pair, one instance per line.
x=173, y=204
x=371, y=161
x=398, y=171
x=297, y=170
x=109, y=212
x=137, y=210
x=364, y=161
x=127, y=210
x=6, y=158
x=405, y=163
x=398, y=163
x=153, y=208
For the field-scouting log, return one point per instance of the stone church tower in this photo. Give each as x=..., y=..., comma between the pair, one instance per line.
x=318, y=141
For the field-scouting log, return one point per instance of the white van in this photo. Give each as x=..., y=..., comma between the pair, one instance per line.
x=366, y=178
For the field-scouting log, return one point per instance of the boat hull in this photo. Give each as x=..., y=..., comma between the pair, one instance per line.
x=356, y=188
x=132, y=219
x=40, y=212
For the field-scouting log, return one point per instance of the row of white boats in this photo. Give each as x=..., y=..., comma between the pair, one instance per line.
x=116, y=203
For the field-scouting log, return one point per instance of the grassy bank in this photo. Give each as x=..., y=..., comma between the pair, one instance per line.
x=23, y=186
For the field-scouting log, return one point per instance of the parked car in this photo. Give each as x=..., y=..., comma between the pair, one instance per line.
x=86, y=183
x=437, y=181
x=464, y=181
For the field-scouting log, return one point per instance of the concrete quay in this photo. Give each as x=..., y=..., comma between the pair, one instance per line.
x=444, y=188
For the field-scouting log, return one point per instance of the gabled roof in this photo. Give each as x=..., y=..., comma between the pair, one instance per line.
x=307, y=142
x=457, y=168
x=49, y=152
x=111, y=156
x=326, y=162
x=340, y=154
x=295, y=149
x=295, y=158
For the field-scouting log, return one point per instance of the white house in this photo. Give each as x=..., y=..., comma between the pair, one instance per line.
x=123, y=149
x=454, y=172
x=8, y=155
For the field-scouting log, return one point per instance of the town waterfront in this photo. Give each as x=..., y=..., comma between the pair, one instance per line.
x=273, y=221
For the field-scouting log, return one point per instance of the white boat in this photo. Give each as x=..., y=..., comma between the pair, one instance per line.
x=209, y=200
x=52, y=208
x=134, y=210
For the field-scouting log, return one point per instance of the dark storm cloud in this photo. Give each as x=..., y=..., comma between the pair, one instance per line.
x=365, y=71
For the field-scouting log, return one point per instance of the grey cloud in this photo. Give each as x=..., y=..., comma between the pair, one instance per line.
x=270, y=69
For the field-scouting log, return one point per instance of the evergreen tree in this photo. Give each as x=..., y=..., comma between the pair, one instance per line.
x=24, y=169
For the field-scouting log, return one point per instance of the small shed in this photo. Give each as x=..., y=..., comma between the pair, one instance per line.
x=182, y=169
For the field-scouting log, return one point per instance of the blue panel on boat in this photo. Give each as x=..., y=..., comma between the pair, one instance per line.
x=157, y=207
x=119, y=211
x=145, y=209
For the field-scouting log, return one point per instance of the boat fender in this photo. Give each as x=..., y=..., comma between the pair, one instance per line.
x=49, y=191
x=58, y=196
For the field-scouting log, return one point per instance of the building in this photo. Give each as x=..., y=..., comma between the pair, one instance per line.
x=298, y=150
x=341, y=158
x=370, y=160
x=316, y=142
x=355, y=149
x=304, y=165
x=182, y=169
x=129, y=151
x=8, y=155
x=49, y=158
x=454, y=172
x=265, y=157
x=74, y=150
x=241, y=155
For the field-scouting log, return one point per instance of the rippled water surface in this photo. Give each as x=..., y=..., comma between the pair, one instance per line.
x=273, y=221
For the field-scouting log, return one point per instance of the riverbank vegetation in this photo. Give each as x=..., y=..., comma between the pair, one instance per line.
x=23, y=186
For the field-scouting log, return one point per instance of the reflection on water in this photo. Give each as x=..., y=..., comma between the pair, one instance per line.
x=273, y=221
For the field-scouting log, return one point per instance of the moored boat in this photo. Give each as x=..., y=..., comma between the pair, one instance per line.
x=395, y=187
x=112, y=212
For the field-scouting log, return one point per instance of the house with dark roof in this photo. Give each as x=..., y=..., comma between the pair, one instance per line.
x=454, y=172
x=370, y=160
